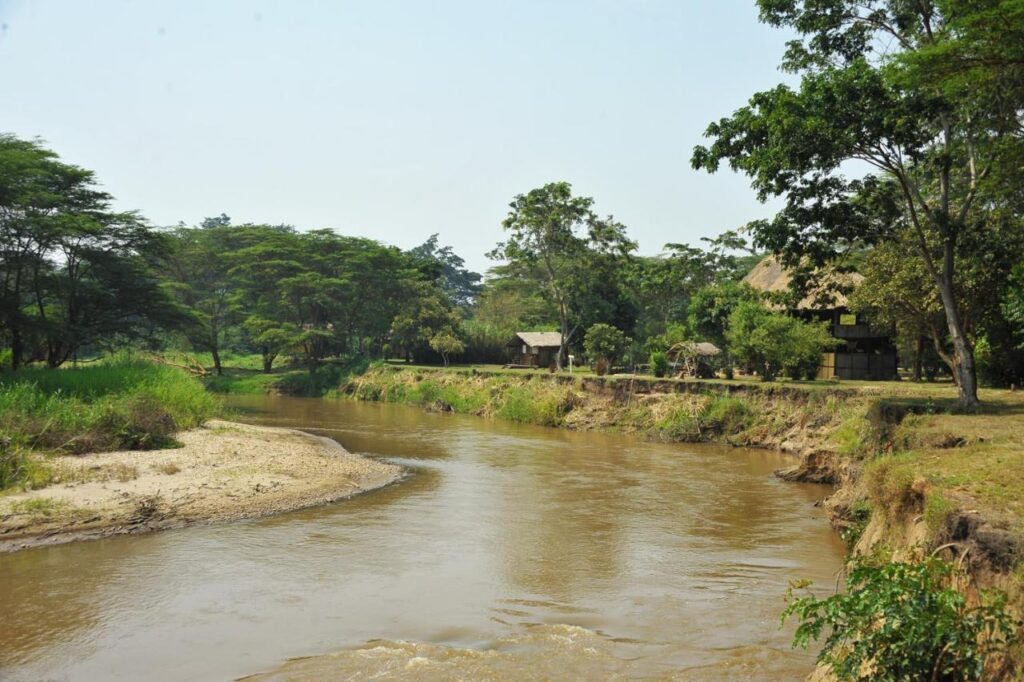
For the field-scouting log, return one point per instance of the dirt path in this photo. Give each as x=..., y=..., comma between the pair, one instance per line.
x=224, y=472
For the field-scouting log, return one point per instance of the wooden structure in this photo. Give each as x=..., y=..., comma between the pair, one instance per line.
x=865, y=352
x=534, y=349
x=694, y=359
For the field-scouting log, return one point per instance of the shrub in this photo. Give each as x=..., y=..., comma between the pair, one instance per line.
x=727, y=415
x=122, y=404
x=604, y=344
x=659, y=363
x=545, y=406
x=902, y=621
x=770, y=342
x=19, y=469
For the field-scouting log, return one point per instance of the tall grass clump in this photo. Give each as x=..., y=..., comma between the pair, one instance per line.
x=535, y=403
x=123, y=404
x=727, y=415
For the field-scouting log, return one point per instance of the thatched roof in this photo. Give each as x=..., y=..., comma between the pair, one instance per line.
x=694, y=349
x=770, y=276
x=539, y=339
x=705, y=348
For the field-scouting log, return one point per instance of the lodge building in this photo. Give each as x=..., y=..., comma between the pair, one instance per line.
x=865, y=352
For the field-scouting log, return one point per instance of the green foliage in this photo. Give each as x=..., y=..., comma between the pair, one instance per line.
x=659, y=363
x=558, y=242
x=443, y=265
x=856, y=522
x=73, y=272
x=771, y=342
x=604, y=345
x=902, y=621
x=710, y=308
x=20, y=469
x=530, y=404
x=446, y=343
x=120, y=405
x=727, y=415
x=935, y=115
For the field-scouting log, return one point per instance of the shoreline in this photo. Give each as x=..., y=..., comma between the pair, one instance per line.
x=223, y=471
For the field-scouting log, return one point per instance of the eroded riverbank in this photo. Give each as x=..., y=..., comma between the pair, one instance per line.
x=223, y=471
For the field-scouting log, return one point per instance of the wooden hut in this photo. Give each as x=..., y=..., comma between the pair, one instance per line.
x=864, y=352
x=689, y=358
x=534, y=349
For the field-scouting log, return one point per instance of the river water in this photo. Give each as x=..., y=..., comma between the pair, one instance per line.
x=509, y=552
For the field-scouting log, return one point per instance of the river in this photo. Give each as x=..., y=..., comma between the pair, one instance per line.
x=509, y=552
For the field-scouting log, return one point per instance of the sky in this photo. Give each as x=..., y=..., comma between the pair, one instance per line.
x=392, y=120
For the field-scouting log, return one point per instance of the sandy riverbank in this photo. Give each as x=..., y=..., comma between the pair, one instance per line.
x=224, y=472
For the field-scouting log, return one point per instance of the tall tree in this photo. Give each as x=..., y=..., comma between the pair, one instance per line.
x=198, y=267
x=72, y=271
x=868, y=94
x=554, y=239
x=449, y=269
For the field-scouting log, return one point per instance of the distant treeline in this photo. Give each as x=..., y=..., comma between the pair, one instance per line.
x=79, y=279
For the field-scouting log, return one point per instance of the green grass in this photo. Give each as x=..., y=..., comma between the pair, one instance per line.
x=243, y=374
x=121, y=404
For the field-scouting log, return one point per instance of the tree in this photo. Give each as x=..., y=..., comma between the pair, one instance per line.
x=710, y=308
x=198, y=269
x=554, y=239
x=936, y=144
x=772, y=342
x=425, y=315
x=266, y=255
x=73, y=272
x=445, y=343
x=604, y=344
x=446, y=267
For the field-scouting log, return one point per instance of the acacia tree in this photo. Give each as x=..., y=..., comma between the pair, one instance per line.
x=554, y=239
x=869, y=93
x=73, y=272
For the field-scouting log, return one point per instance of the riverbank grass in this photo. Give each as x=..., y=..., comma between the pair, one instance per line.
x=243, y=374
x=116, y=405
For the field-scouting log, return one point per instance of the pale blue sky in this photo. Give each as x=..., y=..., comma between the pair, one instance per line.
x=391, y=119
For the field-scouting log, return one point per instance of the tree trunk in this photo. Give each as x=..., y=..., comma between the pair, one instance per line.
x=216, y=361
x=563, y=344
x=17, y=348
x=963, y=359
x=918, y=358
x=268, y=362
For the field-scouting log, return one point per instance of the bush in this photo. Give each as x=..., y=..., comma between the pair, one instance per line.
x=604, y=345
x=659, y=363
x=122, y=404
x=770, y=342
x=902, y=621
x=727, y=415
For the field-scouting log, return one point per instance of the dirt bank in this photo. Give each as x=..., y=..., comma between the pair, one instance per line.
x=223, y=472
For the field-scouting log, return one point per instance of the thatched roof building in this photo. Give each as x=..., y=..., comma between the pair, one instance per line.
x=864, y=352
x=770, y=276
x=534, y=349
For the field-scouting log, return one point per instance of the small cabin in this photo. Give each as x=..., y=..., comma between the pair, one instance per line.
x=864, y=351
x=534, y=349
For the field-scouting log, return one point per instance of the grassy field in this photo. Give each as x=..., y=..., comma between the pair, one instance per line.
x=119, y=404
x=243, y=374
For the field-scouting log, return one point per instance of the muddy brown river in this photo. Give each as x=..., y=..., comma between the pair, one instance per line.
x=509, y=552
